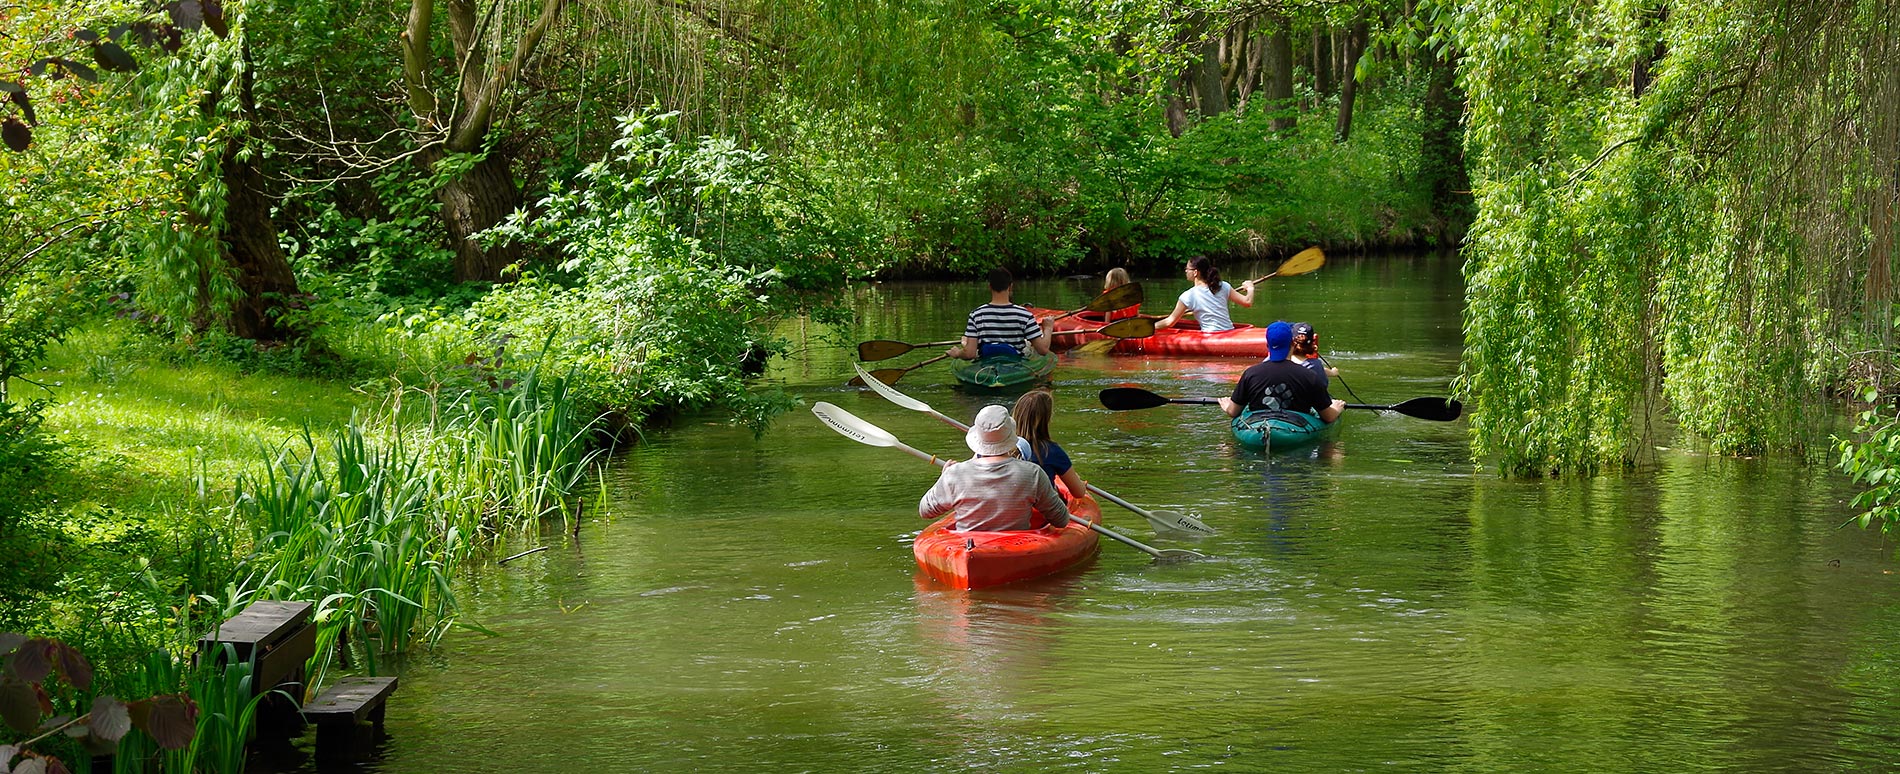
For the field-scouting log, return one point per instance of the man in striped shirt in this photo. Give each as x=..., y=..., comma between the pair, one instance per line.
x=1002, y=328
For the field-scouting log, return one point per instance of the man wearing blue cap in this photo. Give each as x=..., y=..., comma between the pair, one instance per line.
x=1279, y=384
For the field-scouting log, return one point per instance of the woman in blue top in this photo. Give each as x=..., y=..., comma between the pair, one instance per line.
x=1032, y=414
x=1207, y=300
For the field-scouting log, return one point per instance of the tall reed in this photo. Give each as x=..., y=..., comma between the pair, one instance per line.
x=373, y=526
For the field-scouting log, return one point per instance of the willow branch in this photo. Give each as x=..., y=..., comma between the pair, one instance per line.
x=1579, y=174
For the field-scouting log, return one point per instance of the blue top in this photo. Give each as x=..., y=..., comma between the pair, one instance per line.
x=1057, y=464
x=1209, y=306
x=1317, y=366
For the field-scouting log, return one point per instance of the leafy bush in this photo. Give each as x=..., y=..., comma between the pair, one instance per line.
x=27, y=459
x=678, y=257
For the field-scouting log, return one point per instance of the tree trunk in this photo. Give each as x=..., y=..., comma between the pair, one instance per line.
x=1177, y=115
x=1233, y=55
x=1322, y=62
x=486, y=193
x=1354, y=46
x=251, y=250
x=1280, y=79
x=1646, y=62
x=1256, y=62
x=1442, y=166
x=1207, y=82
x=471, y=202
x=249, y=240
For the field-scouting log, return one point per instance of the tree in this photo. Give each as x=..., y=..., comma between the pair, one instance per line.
x=479, y=187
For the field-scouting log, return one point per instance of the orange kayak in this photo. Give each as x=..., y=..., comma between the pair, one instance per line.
x=1185, y=338
x=974, y=560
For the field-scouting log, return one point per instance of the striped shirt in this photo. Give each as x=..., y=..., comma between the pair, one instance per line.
x=1000, y=495
x=1003, y=324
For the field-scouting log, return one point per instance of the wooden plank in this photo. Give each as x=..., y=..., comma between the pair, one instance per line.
x=351, y=697
x=285, y=659
x=263, y=622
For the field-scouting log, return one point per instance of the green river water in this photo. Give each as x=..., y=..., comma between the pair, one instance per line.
x=1376, y=602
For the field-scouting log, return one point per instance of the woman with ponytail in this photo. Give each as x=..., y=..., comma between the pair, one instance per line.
x=1207, y=300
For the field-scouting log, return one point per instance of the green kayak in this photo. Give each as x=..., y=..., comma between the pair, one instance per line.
x=1006, y=371
x=1276, y=430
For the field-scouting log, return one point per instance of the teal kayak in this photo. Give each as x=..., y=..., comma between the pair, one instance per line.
x=1276, y=430
x=1005, y=371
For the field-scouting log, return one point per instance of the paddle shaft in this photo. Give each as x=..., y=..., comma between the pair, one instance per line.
x=888, y=375
x=885, y=349
x=1110, y=299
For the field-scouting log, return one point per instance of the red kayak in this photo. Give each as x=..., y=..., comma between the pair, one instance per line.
x=974, y=560
x=1185, y=338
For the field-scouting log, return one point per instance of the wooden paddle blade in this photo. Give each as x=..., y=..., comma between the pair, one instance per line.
x=1131, y=328
x=1115, y=298
x=882, y=349
x=1095, y=347
x=1130, y=398
x=885, y=375
x=1306, y=260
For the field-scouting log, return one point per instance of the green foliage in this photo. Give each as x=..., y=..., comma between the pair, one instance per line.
x=27, y=459
x=1872, y=458
x=1696, y=242
x=679, y=257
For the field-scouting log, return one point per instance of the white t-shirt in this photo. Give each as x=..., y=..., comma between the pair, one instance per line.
x=1209, y=307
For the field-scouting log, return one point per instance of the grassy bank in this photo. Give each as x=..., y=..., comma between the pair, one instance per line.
x=184, y=487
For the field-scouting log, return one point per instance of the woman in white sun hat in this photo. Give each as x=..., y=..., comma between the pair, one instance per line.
x=994, y=490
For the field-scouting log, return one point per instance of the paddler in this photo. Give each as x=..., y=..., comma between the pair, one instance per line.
x=1000, y=328
x=1306, y=351
x=1278, y=384
x=1207, y=300
x=1116, y=278
x=994, y=490
x=1032, y=413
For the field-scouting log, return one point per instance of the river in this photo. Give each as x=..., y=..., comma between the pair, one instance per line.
x=1377, y=601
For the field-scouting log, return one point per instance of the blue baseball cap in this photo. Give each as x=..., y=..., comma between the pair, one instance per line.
x=1279, y=340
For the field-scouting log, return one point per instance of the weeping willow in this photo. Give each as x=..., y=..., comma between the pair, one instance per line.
x=1683, y=208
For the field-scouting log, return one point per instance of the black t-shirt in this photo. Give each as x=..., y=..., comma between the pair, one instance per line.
x=1282, y=384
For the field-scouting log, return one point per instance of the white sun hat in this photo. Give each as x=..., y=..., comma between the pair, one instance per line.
x=993, y=434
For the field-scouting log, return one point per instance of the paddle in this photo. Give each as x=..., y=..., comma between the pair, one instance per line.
x=889, y=375
x=1162, y=520
x=871, y=435
x=1302, y=262
x=1131, y=328
x=1110, y=300
x=885, y=349
x=1130, y=398
x=1118, y=297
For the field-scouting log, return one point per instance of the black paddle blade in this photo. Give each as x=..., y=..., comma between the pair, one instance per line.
x=1434, y=409
x=1131, y=328
x=1130, y=398
x=1116, y=298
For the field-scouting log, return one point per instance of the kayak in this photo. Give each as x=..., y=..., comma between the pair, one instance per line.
x=1185, y=338
x=974, y=560
x=1005, y=371
x=1276, y=430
